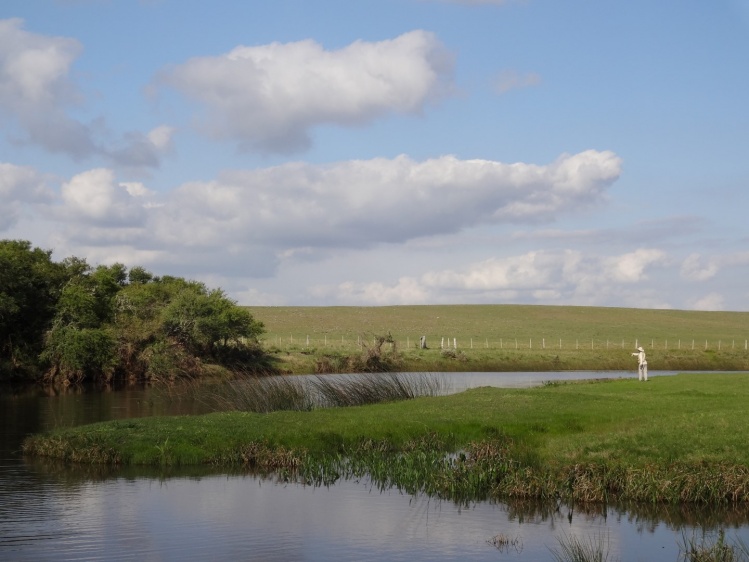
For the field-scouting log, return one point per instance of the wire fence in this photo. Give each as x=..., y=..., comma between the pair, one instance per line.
x=543, y=343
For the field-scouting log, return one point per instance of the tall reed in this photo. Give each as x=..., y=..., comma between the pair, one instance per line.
x=289, y=392
x=713, y=549
x=574, y=549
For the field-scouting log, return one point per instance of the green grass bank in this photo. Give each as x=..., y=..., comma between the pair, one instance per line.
x=505, y=337
x=674, y=439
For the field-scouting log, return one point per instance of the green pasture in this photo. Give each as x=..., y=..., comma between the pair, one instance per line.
x=510, y=337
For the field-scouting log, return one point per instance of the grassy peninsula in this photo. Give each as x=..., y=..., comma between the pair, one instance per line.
x=673, y=439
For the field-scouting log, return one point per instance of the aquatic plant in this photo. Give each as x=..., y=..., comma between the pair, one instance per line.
x=253, y=393
x=574, y=549
x=712, y=548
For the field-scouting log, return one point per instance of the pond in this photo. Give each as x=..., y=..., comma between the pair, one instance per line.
x=54, y=512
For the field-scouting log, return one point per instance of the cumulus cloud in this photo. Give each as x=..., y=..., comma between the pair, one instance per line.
x=297, y=212
x=630, y=267
x=712, y=301
x=268, y=97
x=137, y=150
x=696, y=267
x=550, y=277
x=94, y=197
x=36, y=90
x=367, y=202
x=35, y=87
x=19, y=185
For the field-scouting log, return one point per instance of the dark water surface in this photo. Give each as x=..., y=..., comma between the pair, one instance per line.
x=54, y=512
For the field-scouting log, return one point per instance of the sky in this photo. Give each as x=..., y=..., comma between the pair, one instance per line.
x=387, y=152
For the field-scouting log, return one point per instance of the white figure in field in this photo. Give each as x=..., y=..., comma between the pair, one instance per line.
x=642, y=364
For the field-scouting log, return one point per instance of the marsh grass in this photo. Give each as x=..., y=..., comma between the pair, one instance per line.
x=289, y=392
x=254, y=394
x=574, y=549
x=713, y=548
x=358, y=390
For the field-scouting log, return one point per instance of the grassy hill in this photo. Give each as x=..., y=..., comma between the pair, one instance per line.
x=510, y=337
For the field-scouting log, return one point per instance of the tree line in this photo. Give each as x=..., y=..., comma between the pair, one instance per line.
x=70, y=322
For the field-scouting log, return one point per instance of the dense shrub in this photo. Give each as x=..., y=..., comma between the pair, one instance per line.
x=73, y=322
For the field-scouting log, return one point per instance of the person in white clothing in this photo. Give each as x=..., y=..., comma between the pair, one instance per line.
x=642, y=364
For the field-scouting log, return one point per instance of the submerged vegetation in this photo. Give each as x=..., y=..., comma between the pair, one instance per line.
x=677, y=439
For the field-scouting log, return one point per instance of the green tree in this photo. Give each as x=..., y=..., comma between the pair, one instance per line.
x=30, y=284
x=81, y=344
x=75, y=323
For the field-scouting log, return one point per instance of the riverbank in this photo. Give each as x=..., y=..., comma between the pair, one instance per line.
x=673, y=439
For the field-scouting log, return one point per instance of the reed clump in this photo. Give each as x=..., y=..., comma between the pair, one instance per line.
x=288, y=392
x=713, y=548
x=574, y=549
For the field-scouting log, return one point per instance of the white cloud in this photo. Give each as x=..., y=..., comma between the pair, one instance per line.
x=631, y=267
x=712, y=301
x=548, y=277
x=367, y=202
x=137, y=150
x=19, y=185
x=268, y=97
x=94, y=197
x=250, y=221
x=35, y=87
x=513, y=80
x=696, y=269
x=36, y=91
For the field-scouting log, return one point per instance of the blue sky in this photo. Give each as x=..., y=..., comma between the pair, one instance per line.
x=387, y=152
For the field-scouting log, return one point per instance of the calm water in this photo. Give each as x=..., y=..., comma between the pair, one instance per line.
x=53, y=512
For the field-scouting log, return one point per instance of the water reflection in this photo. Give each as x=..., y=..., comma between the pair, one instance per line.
x=49, y=510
